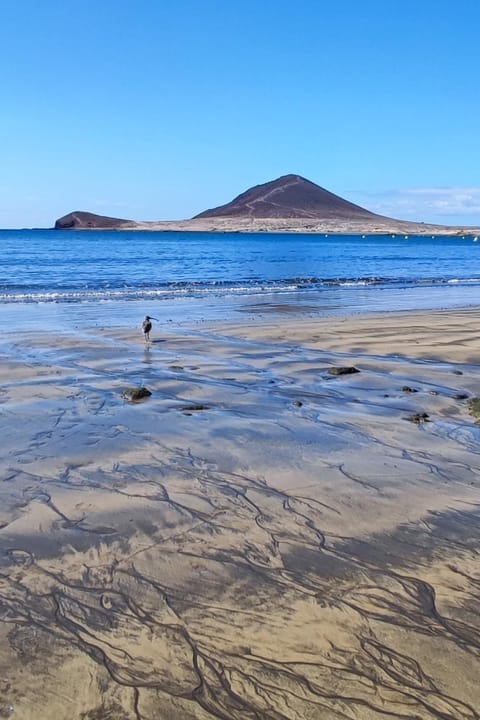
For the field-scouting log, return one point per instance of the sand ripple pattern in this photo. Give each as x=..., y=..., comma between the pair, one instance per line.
x=257, y=541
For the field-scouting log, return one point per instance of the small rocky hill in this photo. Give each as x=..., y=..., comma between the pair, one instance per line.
x=81, y=220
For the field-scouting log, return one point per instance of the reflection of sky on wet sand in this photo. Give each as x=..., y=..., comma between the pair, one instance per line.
x=296, y=549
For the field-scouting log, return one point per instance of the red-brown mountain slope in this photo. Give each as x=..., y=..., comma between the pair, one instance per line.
x=290, y=196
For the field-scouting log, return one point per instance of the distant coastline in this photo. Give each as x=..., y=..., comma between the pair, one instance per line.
x=285, y=225
x=289, y=204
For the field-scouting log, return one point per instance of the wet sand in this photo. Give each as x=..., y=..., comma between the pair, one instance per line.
x=257, y=540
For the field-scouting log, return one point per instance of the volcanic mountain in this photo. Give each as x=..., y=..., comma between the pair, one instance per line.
x=290, y=196
x=289, y=204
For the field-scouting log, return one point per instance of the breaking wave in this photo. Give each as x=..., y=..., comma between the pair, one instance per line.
x=17, y=293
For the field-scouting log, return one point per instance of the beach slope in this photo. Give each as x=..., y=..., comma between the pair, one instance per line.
x=269, y=534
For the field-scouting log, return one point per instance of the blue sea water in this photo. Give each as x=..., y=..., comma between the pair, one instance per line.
x=331, y=273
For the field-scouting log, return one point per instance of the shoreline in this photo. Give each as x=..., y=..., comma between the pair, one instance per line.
x=380, y=226
x=259, y=535
x=284, y=227
x=183, y=311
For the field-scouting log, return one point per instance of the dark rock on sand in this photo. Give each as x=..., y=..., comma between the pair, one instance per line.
x=349, y=370
x=408, y=389
x=134, y=394
x=194, y=408
x=419, y=418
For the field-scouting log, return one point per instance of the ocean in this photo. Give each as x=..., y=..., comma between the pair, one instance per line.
x=117, y=276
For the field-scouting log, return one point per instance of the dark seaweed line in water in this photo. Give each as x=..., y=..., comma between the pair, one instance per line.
x=411, y=604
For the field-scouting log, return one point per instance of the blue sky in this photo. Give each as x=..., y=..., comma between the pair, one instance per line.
x=159, y=109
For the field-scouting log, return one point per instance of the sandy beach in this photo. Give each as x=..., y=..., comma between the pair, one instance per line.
x=260, y=538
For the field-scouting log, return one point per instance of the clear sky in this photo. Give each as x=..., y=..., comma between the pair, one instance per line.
x=159, y=109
